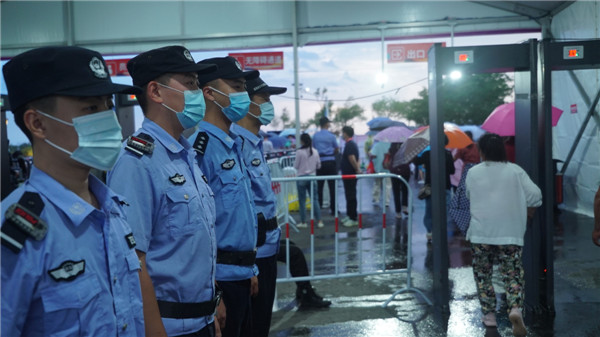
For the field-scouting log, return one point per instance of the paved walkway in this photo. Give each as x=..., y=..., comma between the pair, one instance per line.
x=357, y=311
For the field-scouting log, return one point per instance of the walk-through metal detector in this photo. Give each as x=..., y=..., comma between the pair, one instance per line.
x=522, y=60
x=556, y=56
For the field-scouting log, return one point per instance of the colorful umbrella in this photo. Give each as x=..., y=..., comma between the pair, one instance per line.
x=419, y=140
x=394, y=134
x=502, y=120
x=288, y=132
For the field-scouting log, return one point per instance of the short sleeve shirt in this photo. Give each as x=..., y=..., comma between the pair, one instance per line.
x=349, y=149
x=260, y=181
x=82, y=277
x=227, y=174
x=172, y=214
x=326, y=143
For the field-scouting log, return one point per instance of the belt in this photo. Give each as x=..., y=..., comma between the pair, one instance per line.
x=267, y=224
x=236, y=258
x=188, y=310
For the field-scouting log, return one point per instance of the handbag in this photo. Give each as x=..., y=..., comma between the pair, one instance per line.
x=424, y=192
x=370, y=167
x=387, y=161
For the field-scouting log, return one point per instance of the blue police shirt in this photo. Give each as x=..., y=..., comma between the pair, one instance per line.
x=82, y=278
x=236, y=224
x=172, y=214
x=260, y=179
x=325, y=143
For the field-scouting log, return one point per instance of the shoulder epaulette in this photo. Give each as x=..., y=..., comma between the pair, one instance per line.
x=140, y=144
x=201, y=142
x=22, y=220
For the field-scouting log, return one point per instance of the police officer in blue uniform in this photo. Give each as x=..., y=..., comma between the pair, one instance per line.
x=68, y=260
x=172, y=209
x=219, y=154
x=261, y=112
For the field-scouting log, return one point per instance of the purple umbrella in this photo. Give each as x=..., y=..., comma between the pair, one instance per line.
x=394, y=134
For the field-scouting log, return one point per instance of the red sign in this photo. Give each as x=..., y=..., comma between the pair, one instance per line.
x=117, y=67
x=410, y=52
x=573, y=108
x=260, y=61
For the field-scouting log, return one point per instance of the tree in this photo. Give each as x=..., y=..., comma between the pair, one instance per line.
x=349, y=112
x=286, y=120
x=387, y=107
x=466, y=101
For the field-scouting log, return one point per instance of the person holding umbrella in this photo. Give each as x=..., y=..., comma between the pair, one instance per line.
x=424, y=160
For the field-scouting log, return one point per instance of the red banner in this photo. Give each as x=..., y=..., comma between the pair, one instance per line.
x=117, y=67
x=410, y=52
x=260, y=61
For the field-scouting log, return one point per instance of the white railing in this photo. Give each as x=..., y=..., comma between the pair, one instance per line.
x=284, y=183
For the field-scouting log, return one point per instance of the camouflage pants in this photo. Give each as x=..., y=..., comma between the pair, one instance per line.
x=511, y=270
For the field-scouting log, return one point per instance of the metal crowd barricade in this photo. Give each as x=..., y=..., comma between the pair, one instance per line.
x=337, y=273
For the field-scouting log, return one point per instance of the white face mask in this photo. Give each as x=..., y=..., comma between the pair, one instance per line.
x=99, y=139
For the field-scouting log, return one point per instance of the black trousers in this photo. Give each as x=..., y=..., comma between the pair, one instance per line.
x=207, y=331
x=328, y=168
x=236, y=295
x=262, y=304
x=298, y=266
x=350, y=193
x=399, y=187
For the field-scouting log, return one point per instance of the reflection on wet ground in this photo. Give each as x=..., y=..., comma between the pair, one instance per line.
x=357, y=310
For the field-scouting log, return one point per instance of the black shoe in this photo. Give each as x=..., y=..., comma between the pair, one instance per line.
x=309, y=299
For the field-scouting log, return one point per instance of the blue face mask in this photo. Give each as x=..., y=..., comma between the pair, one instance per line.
x=267, y=113
x=239, y=103
x=99, y=139
x=194, y=109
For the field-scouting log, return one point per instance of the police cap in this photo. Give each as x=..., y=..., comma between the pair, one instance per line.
x=229, y=68
x=59, y=70
x=150, y=65
x=257, y=86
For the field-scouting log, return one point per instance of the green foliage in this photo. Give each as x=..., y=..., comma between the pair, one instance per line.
x=466, y=101
x=344, y=115
x=387, y=107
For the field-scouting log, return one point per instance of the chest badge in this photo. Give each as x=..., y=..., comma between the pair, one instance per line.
x=255, y=162
x=177, y=179
x=228, y=164
x=67, y=270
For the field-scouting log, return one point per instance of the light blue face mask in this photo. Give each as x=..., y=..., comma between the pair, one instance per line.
x=267, y=112
x=194, y=109
x=99, y=139
x=239, y=103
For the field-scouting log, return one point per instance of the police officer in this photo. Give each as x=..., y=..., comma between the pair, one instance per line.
x=68, y=261
x=261, y=112
x=219, y=154
x=326, y=144
x=172, y=208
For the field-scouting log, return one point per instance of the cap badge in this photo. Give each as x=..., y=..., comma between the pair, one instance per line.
x=188, y=56
x=237, y=64
x=98, y=68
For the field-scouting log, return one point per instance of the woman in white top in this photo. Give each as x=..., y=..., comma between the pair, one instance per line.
x=307, y=163
x=500, y=193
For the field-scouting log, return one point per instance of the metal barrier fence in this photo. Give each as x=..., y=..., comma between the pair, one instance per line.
x=284, y=183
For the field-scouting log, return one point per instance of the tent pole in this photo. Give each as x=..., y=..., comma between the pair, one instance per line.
x=296, y=90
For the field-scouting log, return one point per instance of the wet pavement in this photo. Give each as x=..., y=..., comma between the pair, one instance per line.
x=357, y=301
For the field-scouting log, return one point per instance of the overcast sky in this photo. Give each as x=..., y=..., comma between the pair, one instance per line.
x=346, y=70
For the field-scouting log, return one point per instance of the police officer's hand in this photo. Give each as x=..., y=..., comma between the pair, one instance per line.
x=254, y=286
x=221, y=318
x=217, y=328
